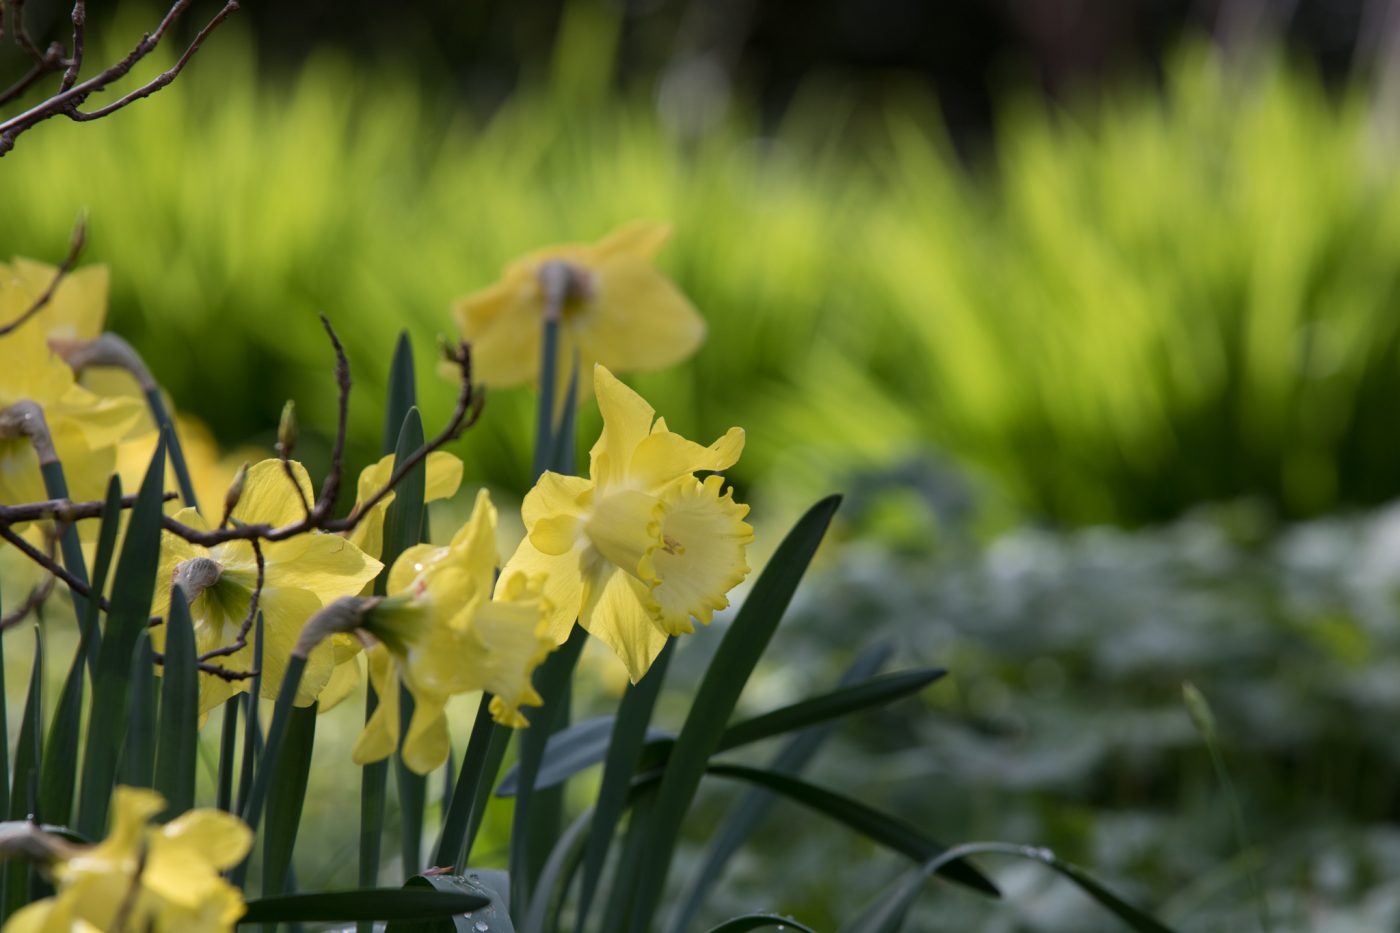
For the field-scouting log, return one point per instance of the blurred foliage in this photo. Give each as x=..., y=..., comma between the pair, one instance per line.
x=1062, y=723
x=1174, y=295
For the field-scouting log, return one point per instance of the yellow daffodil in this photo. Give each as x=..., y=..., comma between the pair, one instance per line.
x=302, y=574
x=163, y=879
x=84, y=427
x=441, y=633
x=642, y=546
x=618, y=311
x=211, y=469
x=444, y=475
x=78, y=308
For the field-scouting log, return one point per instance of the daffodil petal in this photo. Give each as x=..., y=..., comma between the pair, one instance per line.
x=427, y=744
x=640, y=320
x=324, y=564
x=562, y=578
x=663, y=457
x=626, y=421
x=216, y=837
x=269, y=496
x=616, y=615
x=381, y=733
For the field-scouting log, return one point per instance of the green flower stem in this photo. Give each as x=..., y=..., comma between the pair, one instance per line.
x=544, y=417
x=228, y=741
x=373, y=778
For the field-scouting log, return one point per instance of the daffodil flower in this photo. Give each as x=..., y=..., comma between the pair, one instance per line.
x=302, y=574
x=159, y=878
x=642, y=546
x=441, y=633
x=618, y=310
x=444, y=476
x=84, y=427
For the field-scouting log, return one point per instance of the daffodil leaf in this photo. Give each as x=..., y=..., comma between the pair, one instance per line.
x=733, y=663
x=558, y=873
x=624, y=755
x=403, y=528
x=575, y=749
x=633, y=857
x=137, y=760
x=552, y=680
x=403, y=393
x=286, y=797
x=228, y=750
x=491, y=917
x=472, y=790
x=178, y=738
x=759, y=922
x=889, y=831
x=28, y=750
x=132, y=590
x=387, y=904
x=747, y=816
x=4, y=733
x=59, y=772
x=267, y=760
x=887, y=914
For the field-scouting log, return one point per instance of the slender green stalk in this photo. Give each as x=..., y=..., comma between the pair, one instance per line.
x=252, y=727
x=228, y=745
x=544, y=411
x=373, y=778
x=281, y=711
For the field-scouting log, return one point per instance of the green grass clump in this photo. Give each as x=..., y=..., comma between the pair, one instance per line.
x=1171, y=297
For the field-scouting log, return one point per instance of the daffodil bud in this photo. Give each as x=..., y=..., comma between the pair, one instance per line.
x=287, y=430
x=235, y=489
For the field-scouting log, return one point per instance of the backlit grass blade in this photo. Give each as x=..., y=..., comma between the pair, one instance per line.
x=363, y=904
x=286, y=798
x=887, y=914
x=178, y=739
x=552, y=679
x=749, y=813
x=132, y=590
x=888, y=831
x=733, y=663
x=59, y=773
x=136, y=763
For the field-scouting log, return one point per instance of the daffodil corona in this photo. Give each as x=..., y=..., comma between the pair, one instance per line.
x=616, y=309
x=441, y=633
x=164, y=879
x=641, y=547
x=301, y=574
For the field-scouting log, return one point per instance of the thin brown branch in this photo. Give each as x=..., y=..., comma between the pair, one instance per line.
x=63, y=510
x=37, y=595
x=75, y=56
x=49, y=564
x=75, y=248
x=468, y=409
x=24, y=83
x=165, y=77
x=216, y=670
x=71, y=96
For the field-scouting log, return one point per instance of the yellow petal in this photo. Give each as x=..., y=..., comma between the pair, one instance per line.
x=381, y=734
x=556, y=494
x=219, y=839
x=705, y=539
x=663, y=457
x=616, y=615
x=626, y=421
x=562, y=577
x=269, y=496
x=640, y=239
x=324, y=564
x=346, y=677
x=78, y=308
x=503, y=325
x=409, y=565
x=640, y=321
x=513, y=643
x=285, y=611
x=427, y=744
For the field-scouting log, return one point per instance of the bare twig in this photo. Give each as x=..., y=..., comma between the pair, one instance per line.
x=468, y=409
x=75, y=247
x=73, y=93
x=64, y=510
x=49, y=564
x=37, y=595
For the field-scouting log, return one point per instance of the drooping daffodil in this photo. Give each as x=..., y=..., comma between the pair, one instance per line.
x=443, y=475
x=36, y=382
x=617, y=309
x=165, y=879
x=301, y=574
x=440, y=632
x=641, y=547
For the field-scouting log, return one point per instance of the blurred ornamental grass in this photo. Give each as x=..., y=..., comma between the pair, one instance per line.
x=1179, y=294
